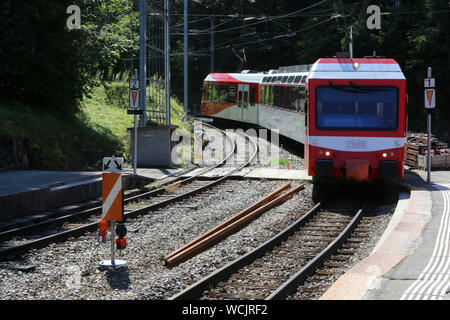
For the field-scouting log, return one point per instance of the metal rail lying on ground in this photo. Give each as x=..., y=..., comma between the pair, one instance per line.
x=229, y=226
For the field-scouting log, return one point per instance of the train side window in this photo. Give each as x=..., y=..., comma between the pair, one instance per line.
x=279, y=79
x=284, y=80
x=290, y=79
x=261, y=94
x=298, y=79
x=303, y=79
x=240, y=99
x=252, y=96
x=293, y=105
x=264, y=79
x=213, y=93
x=301, y=99
x=276, y=96
x=281, y=100
x=273, y=79
x=270, y=102
x=287, y=104
x=245, y=99
x=231, y=97
x=209, y=93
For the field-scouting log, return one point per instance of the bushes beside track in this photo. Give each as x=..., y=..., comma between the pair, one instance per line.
x=32, y=138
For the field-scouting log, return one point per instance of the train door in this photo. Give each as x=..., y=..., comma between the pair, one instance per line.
x=243, y=101
x=253, y=108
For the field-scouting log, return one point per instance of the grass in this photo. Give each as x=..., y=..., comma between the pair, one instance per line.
x=78, y=143
x=279, y=161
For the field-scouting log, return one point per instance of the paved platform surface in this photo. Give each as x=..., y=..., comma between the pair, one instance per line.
x=412, y=259
x=25, y=180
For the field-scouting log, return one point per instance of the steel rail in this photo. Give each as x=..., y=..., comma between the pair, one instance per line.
x=204, y=284
x=91, y=211
x=300, y=276
x=44, y=241
x=197, y=288
x=221, y=233
x=229, y=221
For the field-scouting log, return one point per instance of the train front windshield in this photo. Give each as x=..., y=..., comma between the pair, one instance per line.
x=357, y=108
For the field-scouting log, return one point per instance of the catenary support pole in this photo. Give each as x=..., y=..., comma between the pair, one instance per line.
x=167, y=59
x=142, y=61
x=186, y=56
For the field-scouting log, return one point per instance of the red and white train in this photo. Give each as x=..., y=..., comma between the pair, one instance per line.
x=350, y=114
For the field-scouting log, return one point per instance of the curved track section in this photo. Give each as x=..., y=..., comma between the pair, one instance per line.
x=161, y=197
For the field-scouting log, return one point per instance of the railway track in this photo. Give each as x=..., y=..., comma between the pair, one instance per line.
x=40, y=234
x=277, y=267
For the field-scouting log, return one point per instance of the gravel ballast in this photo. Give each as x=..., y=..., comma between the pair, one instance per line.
x=70, y=269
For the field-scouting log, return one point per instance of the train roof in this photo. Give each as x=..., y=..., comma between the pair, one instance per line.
x=285, y=77
x=235, y=77
x=348, y=68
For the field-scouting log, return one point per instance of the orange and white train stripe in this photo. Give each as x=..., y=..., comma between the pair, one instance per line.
x=112, y=208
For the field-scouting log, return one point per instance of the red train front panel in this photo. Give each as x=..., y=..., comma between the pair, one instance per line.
x=356, y=121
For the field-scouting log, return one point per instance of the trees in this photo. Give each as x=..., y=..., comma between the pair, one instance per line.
x=48, y=66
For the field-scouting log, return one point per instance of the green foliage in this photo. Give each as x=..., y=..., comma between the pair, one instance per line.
x=55, y=143
x=416, y=34
x=49, y=67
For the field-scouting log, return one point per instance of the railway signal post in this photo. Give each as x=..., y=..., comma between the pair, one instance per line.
x=430, y=105
x=134, y=108
x=112, y=203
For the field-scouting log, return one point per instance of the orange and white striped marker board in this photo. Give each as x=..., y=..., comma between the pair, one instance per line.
x=112, y=198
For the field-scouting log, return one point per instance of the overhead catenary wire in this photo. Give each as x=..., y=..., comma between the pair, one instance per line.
x=279, y=36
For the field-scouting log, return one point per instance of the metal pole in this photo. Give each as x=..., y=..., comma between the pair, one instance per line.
x=167, y=59
x=142, y=61
x=113, y=247
x=429, y=147
x=186, y=56
x=351, y=42
x=212, y=44
x=429, y=137
x=135, y=135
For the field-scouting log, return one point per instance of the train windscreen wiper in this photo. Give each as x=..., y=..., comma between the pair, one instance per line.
x=370, y=89
x=348, y=89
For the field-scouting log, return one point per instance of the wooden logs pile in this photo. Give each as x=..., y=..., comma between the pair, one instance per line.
x=417, y=148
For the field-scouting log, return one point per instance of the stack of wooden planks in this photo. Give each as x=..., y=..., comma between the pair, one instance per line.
x=417, y=148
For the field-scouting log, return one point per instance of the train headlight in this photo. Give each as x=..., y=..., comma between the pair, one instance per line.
x=356, y=65
x=384, y=155
x=327, y=153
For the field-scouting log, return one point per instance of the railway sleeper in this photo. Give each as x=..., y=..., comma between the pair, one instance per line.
x=355, y=240
x=340, y=257
x=350, y=245
x=331, y=264
x=249, y=285
x=318, y=239
x=327, y=272
x=346, y=251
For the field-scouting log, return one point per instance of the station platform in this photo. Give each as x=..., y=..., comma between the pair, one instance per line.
x=26, y=192
x=411, y=261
